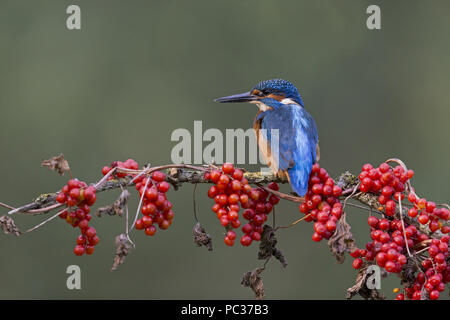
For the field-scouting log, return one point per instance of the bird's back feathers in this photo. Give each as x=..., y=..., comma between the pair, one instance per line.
x=298, y=140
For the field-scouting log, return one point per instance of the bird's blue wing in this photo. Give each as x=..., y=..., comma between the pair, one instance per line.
x=298, y=139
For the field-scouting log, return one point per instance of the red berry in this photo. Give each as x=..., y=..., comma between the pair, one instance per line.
x=147, y=221
x=400, y=296
x=158, y=176
x=73, y=183
x=81, y=240
x=413, y=212
x=94, y=240
x=78, y=250
x=150, y=231
x=105, y=170
x=247, y=228
x=84, y=224
x=215, y=175
x=337, y=191
x=384, y=167
x=228, y=168
x=357, y=263
x=231, y=235
x=61, y=197
x=246, y=240
x=372, y=221
x=91, y=232
x=434, y=295
x=423, y=218
x=238, y=174
x=90, y=249
x=228, y=241
x=316, y=237
x=164, y=224
x=163, y=186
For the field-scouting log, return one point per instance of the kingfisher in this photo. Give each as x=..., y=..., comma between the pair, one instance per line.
x=281, y=107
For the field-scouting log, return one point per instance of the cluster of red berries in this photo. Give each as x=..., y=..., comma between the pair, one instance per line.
x=129, y=164
x=390, y=185
x=388, y=182
x=321, y=203
x=155, y=209
x=436, y=273
x=426, y=212
x=230, y=191
x=79, y=197
x=388, y=247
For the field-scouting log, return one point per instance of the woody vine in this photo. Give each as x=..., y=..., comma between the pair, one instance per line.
x=409, y=234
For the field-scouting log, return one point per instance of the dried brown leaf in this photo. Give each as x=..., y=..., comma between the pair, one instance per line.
x=58, y=164
x=253, y=280
x=123, y=247
x=408, y=274
x=8, y=226
x=361, y=288
x=117, y=207
x=342, y=240
x=201, y=238
x=267, y=246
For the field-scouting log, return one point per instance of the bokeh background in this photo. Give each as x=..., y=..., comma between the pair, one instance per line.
x=137, y=70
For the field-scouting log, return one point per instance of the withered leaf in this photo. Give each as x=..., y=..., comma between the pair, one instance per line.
x=342, y=240
x=267, y=246
x=253, y=280
x=117, y=207
x=58, y=164
x=201, y=238
x=361, y=288
x=408, y=274
x=123, y=247
x=8, y=226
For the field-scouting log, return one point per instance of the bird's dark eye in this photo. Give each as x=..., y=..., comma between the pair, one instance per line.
x=259, y=93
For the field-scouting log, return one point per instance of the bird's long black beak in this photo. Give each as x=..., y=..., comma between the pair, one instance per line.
x=241, y=97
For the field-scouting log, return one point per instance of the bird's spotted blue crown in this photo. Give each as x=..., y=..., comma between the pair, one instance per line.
x=280, y=87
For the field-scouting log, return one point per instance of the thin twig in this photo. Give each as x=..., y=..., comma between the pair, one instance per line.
x=420, y=251
x=45, y=221
x=105, y=178
x=6, y=206
x=126, y=221
x=294, y=223
x=46, y=209
x=195, y=203
x=140, y=204
x=281, y=195
x=370, y=209
x=351, y=195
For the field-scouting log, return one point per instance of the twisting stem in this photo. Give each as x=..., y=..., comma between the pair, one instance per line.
x=403, y=225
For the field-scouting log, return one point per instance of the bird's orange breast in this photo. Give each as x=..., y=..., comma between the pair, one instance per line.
x=264, y=145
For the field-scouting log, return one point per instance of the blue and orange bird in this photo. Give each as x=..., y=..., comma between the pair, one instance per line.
x=281, y=107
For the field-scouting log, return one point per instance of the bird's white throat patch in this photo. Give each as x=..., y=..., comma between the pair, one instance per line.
x=262, y=107
x=288, y=101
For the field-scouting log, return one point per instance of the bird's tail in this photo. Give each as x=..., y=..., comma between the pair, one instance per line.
x=299, y=177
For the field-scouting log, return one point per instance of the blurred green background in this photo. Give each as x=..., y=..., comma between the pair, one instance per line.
x=137, y=70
